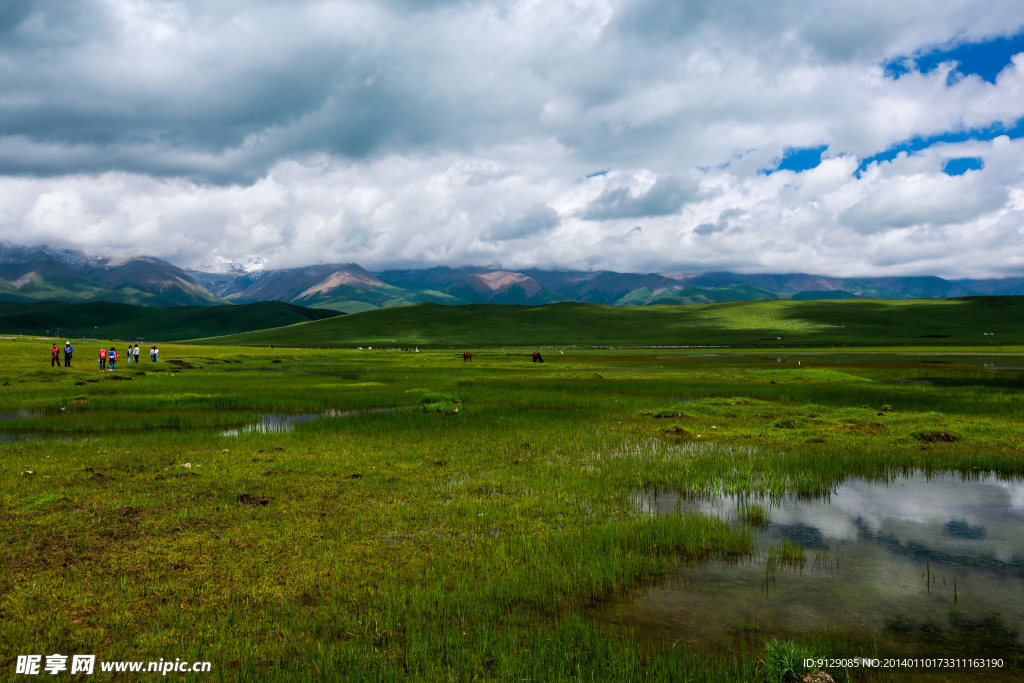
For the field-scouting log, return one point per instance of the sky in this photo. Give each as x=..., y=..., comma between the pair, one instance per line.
x=845, y=138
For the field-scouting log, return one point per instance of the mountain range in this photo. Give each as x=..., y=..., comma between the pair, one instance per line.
x=351, y=288
x=40, y=273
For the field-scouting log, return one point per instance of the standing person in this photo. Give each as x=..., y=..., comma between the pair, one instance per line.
x=112, y=357
x=67, y=354
x=54, y=356
x=103, y=358
x=136, y=354
x=156, y=355
x=152, y=354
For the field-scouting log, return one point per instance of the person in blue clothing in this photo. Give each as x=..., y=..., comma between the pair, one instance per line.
x=68, y=350
x=111, y=357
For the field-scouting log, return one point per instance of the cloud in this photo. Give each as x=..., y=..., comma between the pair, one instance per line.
x=446, y=132
x=935, y=199
x=536, y=219
x=719, y=225
x=665, y=197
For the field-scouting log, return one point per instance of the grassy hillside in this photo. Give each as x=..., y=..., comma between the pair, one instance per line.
x=122, y=321
x=817, y=295
x=357, y=300
x=694, y=295
x=739, y=324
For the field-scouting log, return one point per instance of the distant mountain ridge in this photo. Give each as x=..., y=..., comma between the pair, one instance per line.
x=349, y=287
x=40, y=273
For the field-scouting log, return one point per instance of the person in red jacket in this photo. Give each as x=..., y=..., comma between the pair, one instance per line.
x=54, y=356
x=103, y=359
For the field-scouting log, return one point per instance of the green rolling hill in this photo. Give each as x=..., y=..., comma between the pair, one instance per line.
x=858, y=322
x=694, y=295
x=123, y=321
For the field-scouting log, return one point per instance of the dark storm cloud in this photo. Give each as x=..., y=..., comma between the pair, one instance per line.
x=665, y=197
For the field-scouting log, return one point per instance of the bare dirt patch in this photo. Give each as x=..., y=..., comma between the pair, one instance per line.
x=250, y=499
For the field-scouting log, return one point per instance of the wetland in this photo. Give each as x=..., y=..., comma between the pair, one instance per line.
x=304, y=514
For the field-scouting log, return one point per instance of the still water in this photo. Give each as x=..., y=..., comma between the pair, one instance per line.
x=276, y=423
x=922, y=564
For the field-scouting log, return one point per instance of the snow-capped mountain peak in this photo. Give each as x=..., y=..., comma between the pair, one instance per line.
x=219, y=264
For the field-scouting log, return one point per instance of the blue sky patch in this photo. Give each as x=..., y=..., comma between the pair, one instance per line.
x=963, y=165
x=596, y=174
x=985, y=59
x=799, y=159
x=917, y=144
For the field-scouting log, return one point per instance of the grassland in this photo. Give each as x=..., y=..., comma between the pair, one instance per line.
x=105, y=320
x=744, y=324
x=387, y=542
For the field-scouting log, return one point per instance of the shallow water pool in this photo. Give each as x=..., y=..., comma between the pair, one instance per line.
x=922, y=564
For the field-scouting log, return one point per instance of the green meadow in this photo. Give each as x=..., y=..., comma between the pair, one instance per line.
x=435, y=519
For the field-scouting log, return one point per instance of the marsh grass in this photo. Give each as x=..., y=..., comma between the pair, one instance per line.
x=440, y=403
x=782, y=661
x=754, y=515
x=400, y=546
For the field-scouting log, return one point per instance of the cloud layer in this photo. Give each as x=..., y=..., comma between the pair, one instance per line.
x=454, y=132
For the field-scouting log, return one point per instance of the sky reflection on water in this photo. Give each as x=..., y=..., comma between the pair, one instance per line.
x=924, y=564
x=277, y=423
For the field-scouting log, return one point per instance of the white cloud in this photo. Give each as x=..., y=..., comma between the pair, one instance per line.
x=447, y=132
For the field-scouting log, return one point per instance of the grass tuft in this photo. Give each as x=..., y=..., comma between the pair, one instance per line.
x=782, y=661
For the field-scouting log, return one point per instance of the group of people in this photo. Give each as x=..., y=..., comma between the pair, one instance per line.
x=55, y=355
x=108, y=358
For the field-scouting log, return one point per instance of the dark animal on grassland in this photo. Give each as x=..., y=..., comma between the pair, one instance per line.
x=467, y=356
